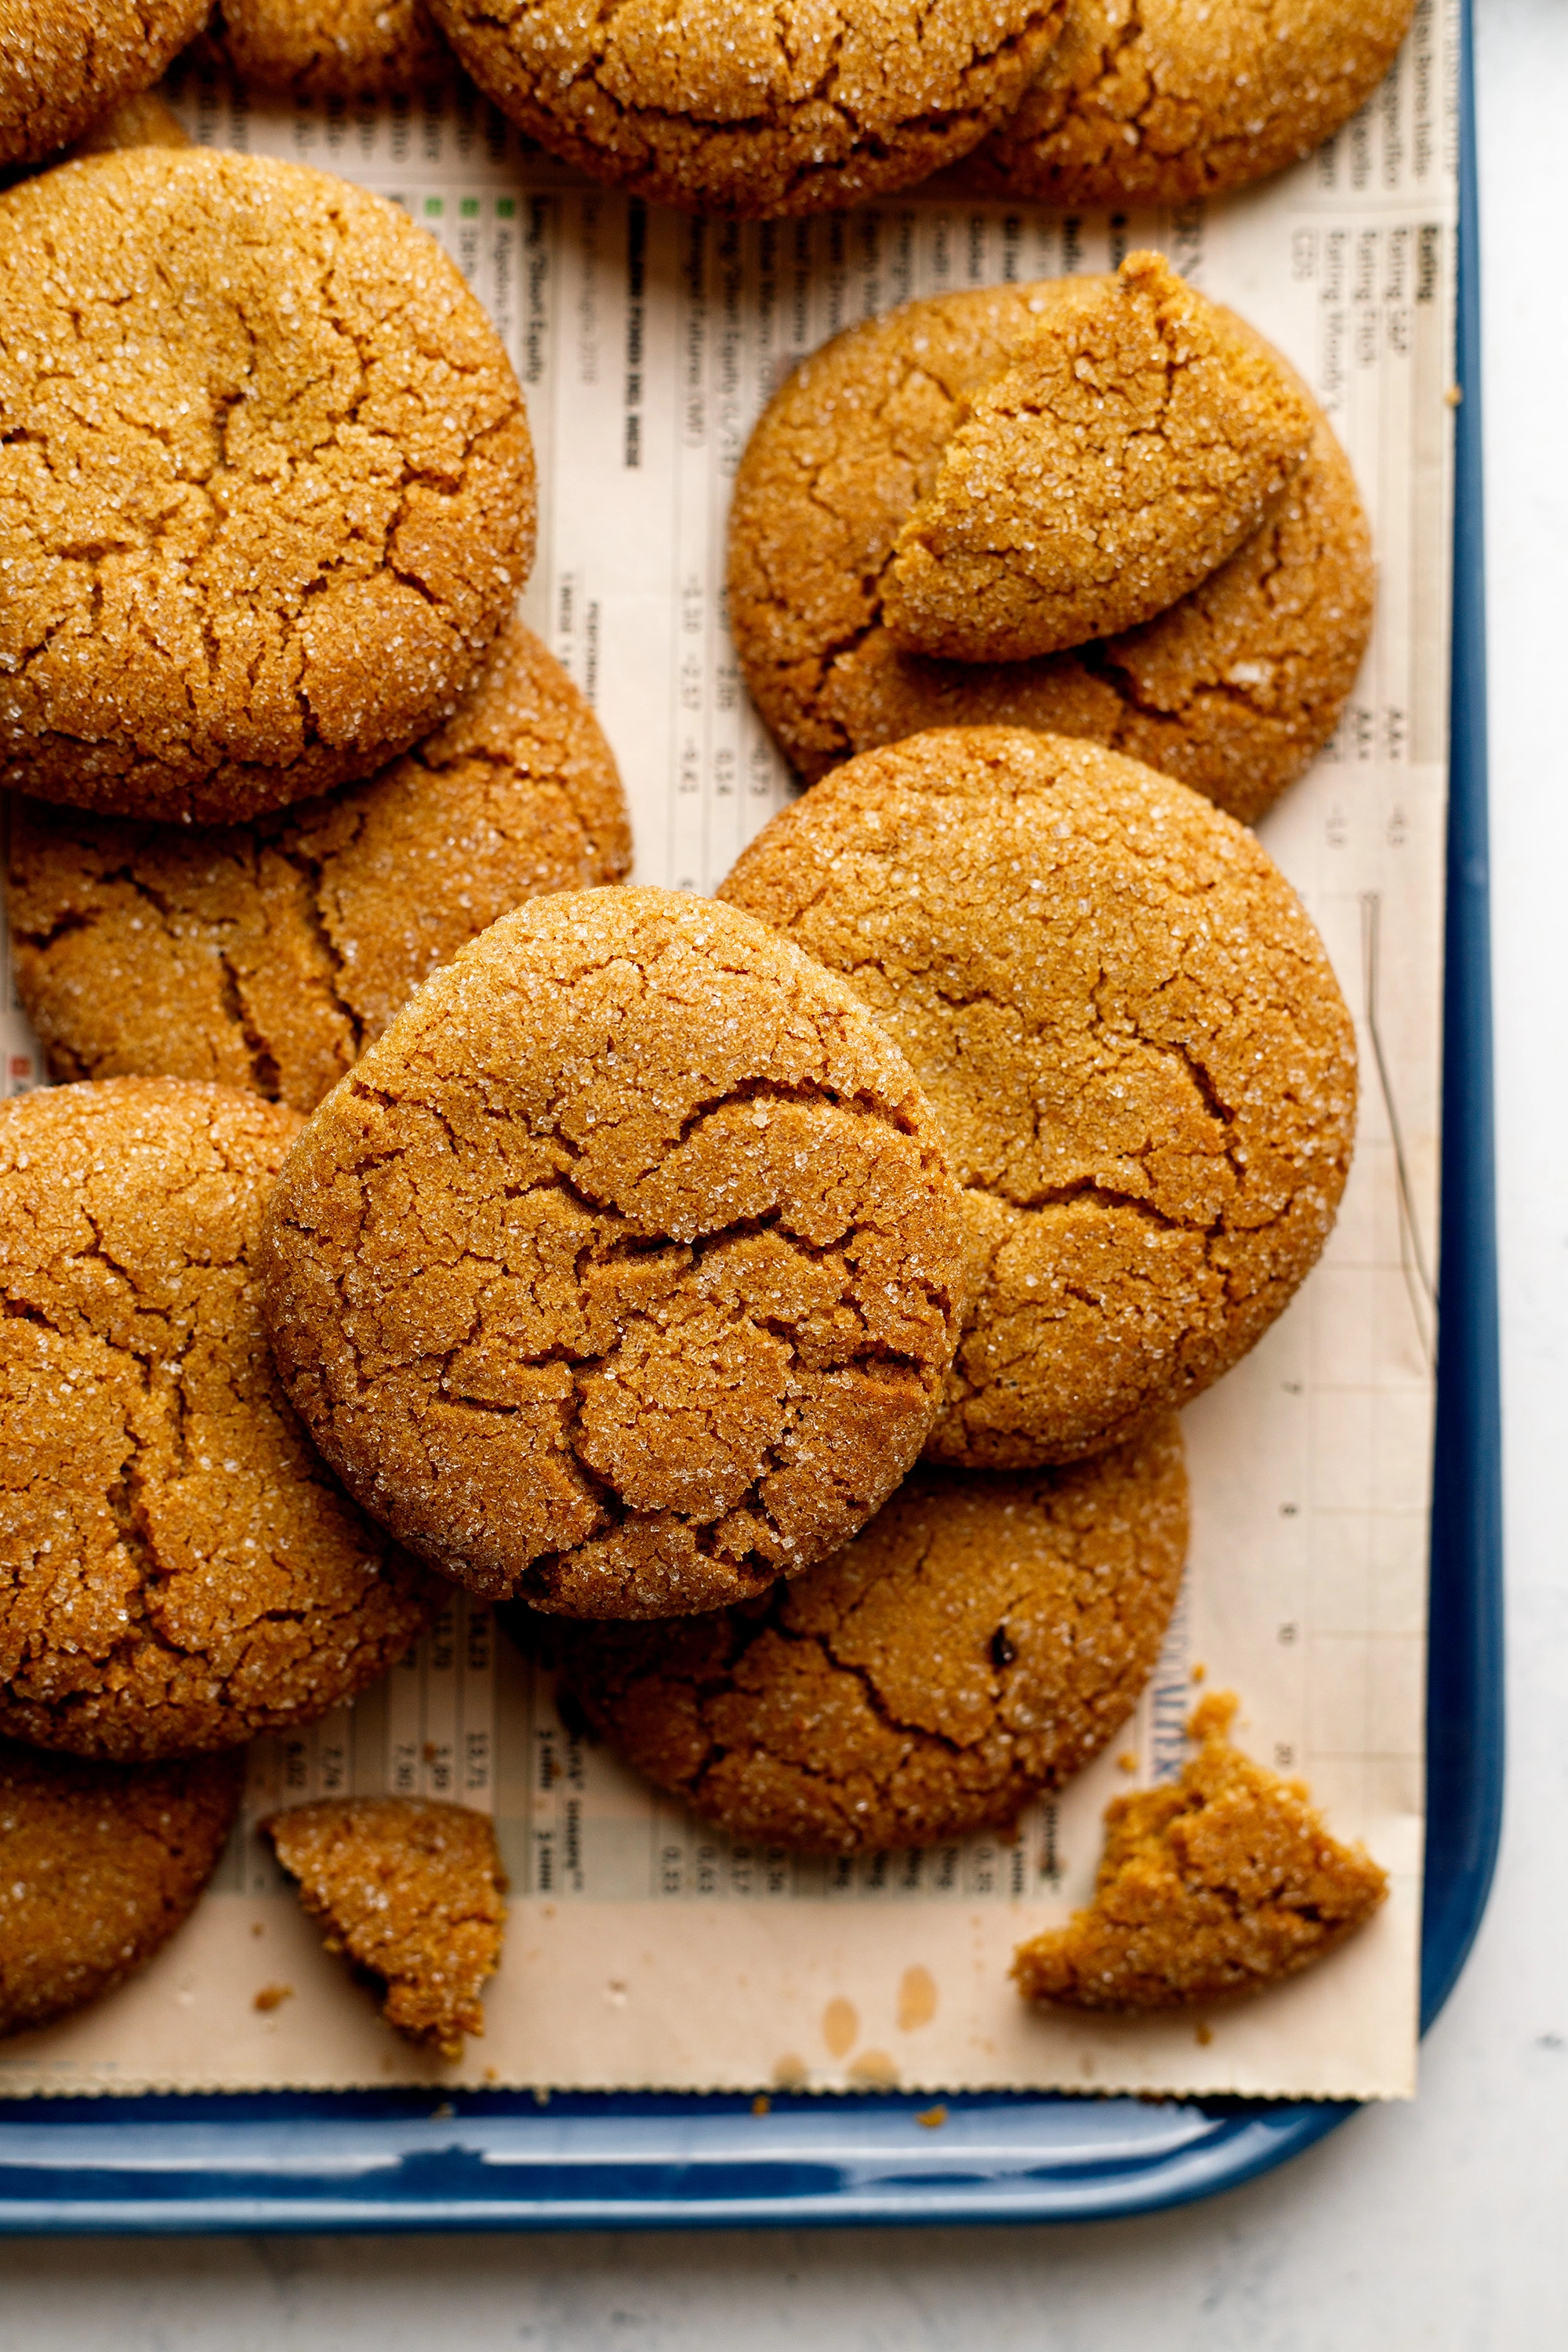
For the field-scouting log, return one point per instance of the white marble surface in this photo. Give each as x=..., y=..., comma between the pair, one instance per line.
x=1440, y=2224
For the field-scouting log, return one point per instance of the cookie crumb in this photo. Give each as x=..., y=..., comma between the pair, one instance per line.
x=1204, y=2035
x=761, y=2104
x=933, y=2119
x=272, y=1996
x=1127, y=1761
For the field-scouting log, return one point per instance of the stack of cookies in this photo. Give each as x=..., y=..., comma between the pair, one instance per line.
x=784, y=1302
x=279, y=746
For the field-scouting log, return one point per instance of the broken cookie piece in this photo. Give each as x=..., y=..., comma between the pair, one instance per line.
x=1135, y=440
x=409, y=1890
x=1214, y=1887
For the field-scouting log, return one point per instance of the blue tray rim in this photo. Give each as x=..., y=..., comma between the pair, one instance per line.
x=379, y=2162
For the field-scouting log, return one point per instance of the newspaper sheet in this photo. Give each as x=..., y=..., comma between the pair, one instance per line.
x=644, y=1949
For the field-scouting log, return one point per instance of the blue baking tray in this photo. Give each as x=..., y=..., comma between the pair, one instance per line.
x=498, y=2160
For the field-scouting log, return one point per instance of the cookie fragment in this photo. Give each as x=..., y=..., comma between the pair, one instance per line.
x=1156, y=101
x=1215, y=1887
x=751, y=110
x=976, y=1644
x=1133, y=1041
x=65, y=63
x=623, y=1271
x=409, y=1890
x=99, y=1865
x=266, y=490
x=178, y=1570
x=271, y=955
x=1130, y=447
x=1233, y=689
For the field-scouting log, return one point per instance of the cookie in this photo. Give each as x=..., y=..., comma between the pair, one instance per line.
x=99, y=1865
x=177, y=1568
x=329, y=49
x=145, y=121
x=271, y=955
x=1217, y=1886
x=410, y=1891
x=623, y=1273
x=1234, y=689
x=266, y=490
x=745, y=111
x=64, y=63
x=1126, y=452
x=1134, y=1045
x=975, y=1644
x=1157, y=103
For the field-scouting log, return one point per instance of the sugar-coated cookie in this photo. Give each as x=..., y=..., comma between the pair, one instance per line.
x=1217, y=1886
x=99, y=1865
x=1134, y=1045
x=409, y=1891
x=64, y=63
x=266, y=487
x=269, y=955
x=177, y=1568
x=623, y=1273
x=1233, y=689
x=741, y=109
x=1126, y=451
x=1158, y=102
x=977, y=1644
x=329, y=49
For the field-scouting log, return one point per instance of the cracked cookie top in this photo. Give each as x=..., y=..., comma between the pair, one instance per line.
x=623, y=1273
x=1218, y=1886
x=752, y=109
x=63, y=63
x=266, y=487
x=975, y=1644
x=1156, y=101
x=1132, y=443
x=1233, y=688
x=1133, y=1044
x=269, y=955
x=330, y=49
x=178, y=1570
x=99, y=1865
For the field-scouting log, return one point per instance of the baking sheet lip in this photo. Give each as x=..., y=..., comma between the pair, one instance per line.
x=1464, y=1765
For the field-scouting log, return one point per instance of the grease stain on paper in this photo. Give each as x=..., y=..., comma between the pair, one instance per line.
x=917, y=1999
x=840, y=2024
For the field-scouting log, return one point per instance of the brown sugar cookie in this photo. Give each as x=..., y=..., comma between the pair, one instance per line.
x=623, y=1273
x=1126, y=452
x=409, y=1891
x=271, y=955
x=266, y=488
x=145, y=121
x=1156, y=101
x=177, y=1568
x=975, y=1644
x=1216, y=1886
x=63, y=63
x=98, y=1864
x=329, y=49
x=745, y=110
x=1134, y=1045
x=1234, y=689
